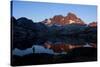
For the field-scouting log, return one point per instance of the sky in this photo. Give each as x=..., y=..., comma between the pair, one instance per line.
x=38, y=11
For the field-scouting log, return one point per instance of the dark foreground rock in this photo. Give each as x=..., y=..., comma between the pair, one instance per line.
x=76, y=55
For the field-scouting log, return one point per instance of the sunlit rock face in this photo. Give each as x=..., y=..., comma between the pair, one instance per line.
x=93, y=24
x=58, y=19
x=71, y=18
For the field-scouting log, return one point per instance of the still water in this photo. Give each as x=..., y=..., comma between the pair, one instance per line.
x=56, y=46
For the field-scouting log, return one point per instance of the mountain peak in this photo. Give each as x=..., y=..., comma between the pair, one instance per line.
x=70, y=14
x=63, y=20
x=93, y=24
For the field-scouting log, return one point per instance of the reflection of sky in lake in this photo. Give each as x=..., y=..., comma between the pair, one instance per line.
x=41, y=49
x=38, y=49
x=22, y=52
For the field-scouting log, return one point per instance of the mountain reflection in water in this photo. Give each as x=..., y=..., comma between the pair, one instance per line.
x=56, y=46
